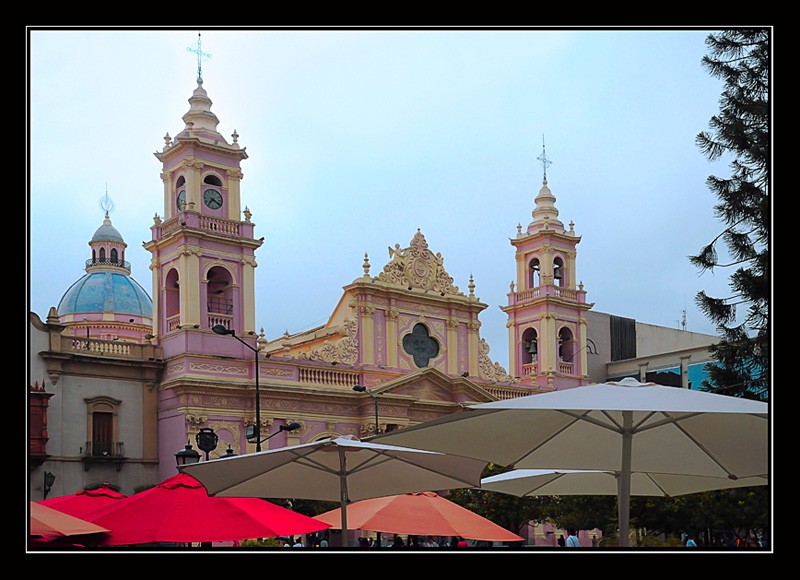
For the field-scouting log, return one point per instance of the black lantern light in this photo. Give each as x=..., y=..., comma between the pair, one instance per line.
x=187, y=455
x=206, y=440
x=49, y=480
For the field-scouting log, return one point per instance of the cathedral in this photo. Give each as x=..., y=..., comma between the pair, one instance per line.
x=126, y=378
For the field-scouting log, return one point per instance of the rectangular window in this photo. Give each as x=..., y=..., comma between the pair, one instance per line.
x=102, y=433
x=623, y=338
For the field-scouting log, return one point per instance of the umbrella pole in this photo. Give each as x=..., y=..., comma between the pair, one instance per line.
x=343, y=492
x=624, y=481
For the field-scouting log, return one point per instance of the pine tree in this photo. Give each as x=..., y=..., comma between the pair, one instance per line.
x=741, y=57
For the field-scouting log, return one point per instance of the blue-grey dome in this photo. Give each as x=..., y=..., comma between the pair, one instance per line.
x=107, y=232
x=106, y=291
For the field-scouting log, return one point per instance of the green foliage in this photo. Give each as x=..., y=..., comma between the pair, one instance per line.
x=741, y=57
x=261, y=543
x=307, y=507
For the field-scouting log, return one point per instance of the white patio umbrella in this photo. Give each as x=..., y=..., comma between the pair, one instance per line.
x=534, y=482
x=626, y=427
x=340, y=469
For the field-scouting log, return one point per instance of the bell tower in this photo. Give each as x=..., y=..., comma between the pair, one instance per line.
x=546, y=306
x=203, y=252
x=203, y=275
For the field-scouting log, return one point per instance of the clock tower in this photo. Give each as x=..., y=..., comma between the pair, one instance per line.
x=203, y=275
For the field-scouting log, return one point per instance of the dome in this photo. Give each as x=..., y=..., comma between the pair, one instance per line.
x=107, y=232
x=106, y=291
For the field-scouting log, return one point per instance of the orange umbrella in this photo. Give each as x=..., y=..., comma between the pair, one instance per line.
x=424, y=513
x=49, y=523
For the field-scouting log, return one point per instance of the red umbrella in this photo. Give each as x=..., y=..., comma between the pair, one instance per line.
x=84, y=501
x=48, y=523
x=180, y=510
x=424, y=513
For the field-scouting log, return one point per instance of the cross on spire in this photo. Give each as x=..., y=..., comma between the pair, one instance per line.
x=106, y=203
x=545, y=161
x=200, y=54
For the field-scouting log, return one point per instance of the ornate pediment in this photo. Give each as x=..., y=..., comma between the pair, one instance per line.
x=344, y=350
x=417, y=267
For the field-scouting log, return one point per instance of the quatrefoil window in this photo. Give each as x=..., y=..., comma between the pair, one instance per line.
x=420, y=345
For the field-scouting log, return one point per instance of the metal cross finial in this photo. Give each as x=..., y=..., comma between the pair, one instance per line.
x=106, y=202
x=545, y=161
x=200, y=54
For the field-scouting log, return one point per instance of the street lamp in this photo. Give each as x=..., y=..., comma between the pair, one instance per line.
x=206, y=440
x=222, y=329
x=49, y=480
x=228, y=452
x=294, y=425
x=363, y=389
x=187, y=455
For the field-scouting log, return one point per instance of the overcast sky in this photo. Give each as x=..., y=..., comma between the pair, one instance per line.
x=357, y=138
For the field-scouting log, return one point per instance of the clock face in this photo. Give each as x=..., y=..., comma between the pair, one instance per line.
x=181, y=199
x=212, y=198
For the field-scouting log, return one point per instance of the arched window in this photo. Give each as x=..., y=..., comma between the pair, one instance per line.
x=219, y=290
x=530, y=346
x=566, y=345
x=559, y=278
x=534, y=273
x=114, y=259
x=102, y=255
x=172, y=300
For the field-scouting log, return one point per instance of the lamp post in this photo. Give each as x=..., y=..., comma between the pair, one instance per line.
x=294, y=425
x=187, y=455
x=222, y=329
x=206, y=440
x=228, y=452
x=363, y=389
x=49, y=480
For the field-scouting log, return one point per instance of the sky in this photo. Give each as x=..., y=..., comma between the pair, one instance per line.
x=357, y=138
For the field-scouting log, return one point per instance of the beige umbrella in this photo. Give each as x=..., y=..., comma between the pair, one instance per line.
x=340, y=469
x=625, y=427
x=534, y=482
x=49, y=523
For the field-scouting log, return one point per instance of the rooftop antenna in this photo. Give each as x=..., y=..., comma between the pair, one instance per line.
x=545, y=161
x=106, y=202
x=200, y=54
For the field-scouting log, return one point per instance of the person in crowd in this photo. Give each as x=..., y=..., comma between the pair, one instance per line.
x=398, y=542
x=572, y=539
x=561, y=541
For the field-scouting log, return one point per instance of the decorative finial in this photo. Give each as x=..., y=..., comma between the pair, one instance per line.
x=106, y=203
x=366, y=265
x=471, y=286
x=545, y=161
x=511, y=286
x=167, y=141
x=200, y=54
x=519, y=230
x=247, y=214
x=235, y=137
